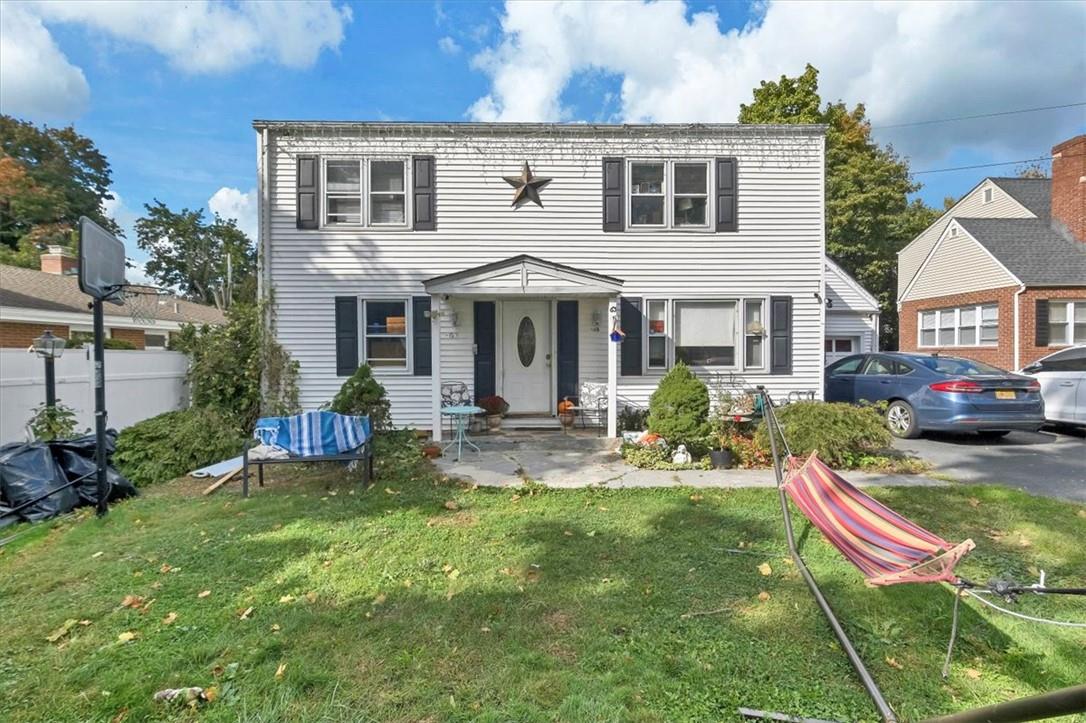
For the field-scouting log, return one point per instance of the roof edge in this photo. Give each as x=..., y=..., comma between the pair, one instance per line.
x=453, y=127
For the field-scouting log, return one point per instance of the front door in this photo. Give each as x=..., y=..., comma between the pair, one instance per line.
x=526, y=356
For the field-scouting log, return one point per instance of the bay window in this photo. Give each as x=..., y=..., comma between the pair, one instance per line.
x=361, y=192
x=705, y=333
x=385, y=333
x=657, y=334
x=1066, y=322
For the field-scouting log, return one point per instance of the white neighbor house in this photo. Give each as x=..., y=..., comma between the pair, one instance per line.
x=852, y=315
x=398, y=245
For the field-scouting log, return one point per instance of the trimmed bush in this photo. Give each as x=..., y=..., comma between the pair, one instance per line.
x=361, y=394
x=175, y=443
x=842, y=434
x=679, y=410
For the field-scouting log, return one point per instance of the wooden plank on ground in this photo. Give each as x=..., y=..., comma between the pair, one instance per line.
x=221, y=481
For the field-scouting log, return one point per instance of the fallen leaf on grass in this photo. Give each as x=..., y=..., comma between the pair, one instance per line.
x=275, y=627
x=98, y=554
x=765, y=569
x=451, y=505
x=62, y=630
x=1081, y=513
x=696, y=498
x=121, y=715
x=763, y=596
x=128, y=636
x=484, y=629
x=165, y=568
x=286, y=599
x=205, y=593
x=380, y=599
x=972, y=673
x=390, y=491
x=326, y=563
x=567, y=533
x=974, y=502
x=169, y=619
x=246, y=613
x=132, y=601
x=893, y=663
x=514, y=498
x=311, y=596
x=280, y=670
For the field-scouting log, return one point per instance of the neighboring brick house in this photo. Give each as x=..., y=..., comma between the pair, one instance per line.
x=1001, y=276
x=32, y=301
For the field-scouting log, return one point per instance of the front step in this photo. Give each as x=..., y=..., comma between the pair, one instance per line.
x=534, y=422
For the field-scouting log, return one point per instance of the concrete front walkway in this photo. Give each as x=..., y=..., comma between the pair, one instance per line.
x=579, y=460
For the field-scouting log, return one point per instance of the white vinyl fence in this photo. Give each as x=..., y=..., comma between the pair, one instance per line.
x=139, y=384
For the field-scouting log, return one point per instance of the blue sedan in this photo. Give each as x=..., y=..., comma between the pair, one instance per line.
x=931, y=392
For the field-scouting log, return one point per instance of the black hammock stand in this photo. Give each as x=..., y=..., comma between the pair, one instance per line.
x=1059, y=702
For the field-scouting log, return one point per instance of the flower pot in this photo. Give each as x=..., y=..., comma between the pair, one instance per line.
x=493, y=421
x=432, y=451
x=722, y=458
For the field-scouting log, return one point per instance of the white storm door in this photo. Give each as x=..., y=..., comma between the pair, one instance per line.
x=526, y=356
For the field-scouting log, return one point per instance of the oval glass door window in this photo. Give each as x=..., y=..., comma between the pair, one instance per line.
x=526, y=341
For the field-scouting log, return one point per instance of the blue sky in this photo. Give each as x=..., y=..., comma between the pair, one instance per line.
x=168, y=92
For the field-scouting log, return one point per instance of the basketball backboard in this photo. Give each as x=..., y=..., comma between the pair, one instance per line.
x=101, y=262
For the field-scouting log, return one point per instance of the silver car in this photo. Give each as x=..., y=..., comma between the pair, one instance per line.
x=1062, y=376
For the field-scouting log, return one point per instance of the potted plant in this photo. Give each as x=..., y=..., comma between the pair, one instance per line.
x=723, y=457
x=495, y=407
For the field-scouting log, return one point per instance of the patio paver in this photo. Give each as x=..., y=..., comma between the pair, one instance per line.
x=578, y=460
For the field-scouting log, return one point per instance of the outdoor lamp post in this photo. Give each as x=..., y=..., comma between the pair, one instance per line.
x=49, y=347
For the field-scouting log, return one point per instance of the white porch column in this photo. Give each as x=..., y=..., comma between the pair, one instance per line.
x=612, y=369
x=435, y=364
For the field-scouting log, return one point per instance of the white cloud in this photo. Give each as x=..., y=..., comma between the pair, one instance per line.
x=197, y=36
x=906, y=61
x=35, y=78
x=232, y=203
x=125, y=217
x=448, y=46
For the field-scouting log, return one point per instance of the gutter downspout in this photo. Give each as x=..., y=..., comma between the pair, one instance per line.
x=1017, y=328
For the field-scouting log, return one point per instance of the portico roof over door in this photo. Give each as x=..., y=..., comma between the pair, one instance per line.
x=524, y=276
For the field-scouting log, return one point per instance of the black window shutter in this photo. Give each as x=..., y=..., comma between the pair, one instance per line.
x=614, y=188
x=308, y=192
x=632, y=322
x=420, y=335
x=423, y=188
x=727, y=194
x=780, y=335
x=1040, y=323
x=346, y=335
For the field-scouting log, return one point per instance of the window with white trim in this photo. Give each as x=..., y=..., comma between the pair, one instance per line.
x=657, y=334
x=669, y=194
x=1066, y=322
x=155, y=341
x=961, y=326
x=385, y=333
x=365, y=192
x=753, y=333
x=987, y=195
x=705, y=333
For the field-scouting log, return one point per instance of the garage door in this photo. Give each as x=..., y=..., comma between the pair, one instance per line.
x=838, y=347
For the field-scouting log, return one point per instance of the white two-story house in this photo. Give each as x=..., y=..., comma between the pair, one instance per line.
x=508, y=256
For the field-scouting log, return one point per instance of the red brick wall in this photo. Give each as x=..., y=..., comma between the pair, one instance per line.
x=1001, y=355
x=17, y=335
x=58, y=263
x=1069, y=185
x=131, y=335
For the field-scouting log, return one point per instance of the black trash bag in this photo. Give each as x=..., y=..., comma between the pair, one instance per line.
x=28, y=472
x=76, y=458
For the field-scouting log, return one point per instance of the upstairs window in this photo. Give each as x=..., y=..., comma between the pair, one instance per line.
x=987, y=195
x=360, y=192
x=669, y=194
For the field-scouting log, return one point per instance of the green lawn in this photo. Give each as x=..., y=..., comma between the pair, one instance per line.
x=420, y=600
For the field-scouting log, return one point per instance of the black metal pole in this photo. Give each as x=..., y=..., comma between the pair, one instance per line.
x=50, y=383
x=100, y=408
x=869, y=683
x=1064, y=701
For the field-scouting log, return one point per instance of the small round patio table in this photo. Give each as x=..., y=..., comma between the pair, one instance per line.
x=461, y=414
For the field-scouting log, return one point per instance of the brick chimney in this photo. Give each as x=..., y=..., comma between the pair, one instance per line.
x=58, y=260
x=1069, y=185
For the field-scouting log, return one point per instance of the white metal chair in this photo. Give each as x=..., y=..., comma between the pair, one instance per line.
x=592, y=403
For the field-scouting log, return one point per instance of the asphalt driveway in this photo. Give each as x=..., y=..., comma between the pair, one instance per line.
x=1046, y=463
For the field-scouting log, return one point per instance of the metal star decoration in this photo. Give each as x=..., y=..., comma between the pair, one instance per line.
x=527, y=185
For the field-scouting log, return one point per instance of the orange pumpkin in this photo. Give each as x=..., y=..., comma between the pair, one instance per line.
x=564, y=406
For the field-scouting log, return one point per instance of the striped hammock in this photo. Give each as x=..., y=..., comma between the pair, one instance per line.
x=886, y=547
x=313, y=434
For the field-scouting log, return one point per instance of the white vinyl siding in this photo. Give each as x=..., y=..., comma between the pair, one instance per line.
x=943, y=274
x=778, y=249
x=859, y=326
x=972, y=205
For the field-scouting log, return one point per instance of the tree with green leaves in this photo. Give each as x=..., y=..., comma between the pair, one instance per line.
x=869, y=217
x=49, y=177
x=212, y=263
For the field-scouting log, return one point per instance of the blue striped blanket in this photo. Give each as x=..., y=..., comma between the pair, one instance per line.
x=312, y=434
